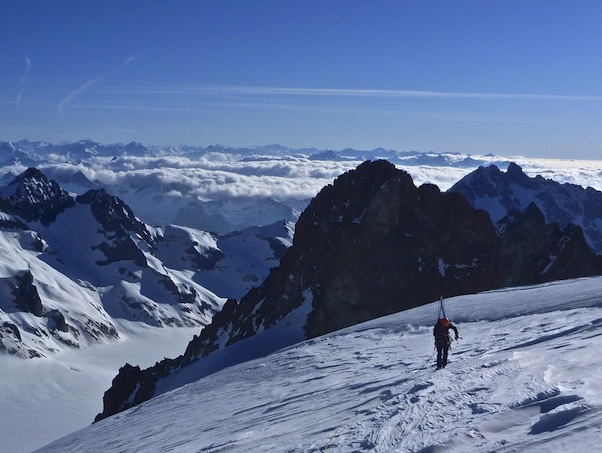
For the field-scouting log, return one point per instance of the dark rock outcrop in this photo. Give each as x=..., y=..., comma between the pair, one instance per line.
x=118, y=223
x=57, y=321
x=534, y=251
x=129, y=377
x=34, y=198
x=26, y=294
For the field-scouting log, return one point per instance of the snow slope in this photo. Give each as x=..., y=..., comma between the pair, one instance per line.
x=49, y=397
x=523, y=377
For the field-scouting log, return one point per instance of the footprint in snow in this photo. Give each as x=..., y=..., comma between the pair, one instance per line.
x=418, y=387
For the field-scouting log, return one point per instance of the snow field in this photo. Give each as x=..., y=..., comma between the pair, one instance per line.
x=525, y=376
x=48, y=398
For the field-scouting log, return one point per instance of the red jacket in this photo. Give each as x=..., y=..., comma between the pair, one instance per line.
x=441, y=332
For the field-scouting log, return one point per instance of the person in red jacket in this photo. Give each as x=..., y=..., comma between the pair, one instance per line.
x=443, y=340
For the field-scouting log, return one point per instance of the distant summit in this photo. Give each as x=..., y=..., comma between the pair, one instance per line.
x=499, y=193
x=34, y=197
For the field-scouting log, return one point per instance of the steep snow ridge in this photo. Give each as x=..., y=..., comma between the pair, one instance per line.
x=522, y=377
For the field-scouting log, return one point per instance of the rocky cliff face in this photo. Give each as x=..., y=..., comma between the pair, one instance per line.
x=370, y=245
x=534, y=251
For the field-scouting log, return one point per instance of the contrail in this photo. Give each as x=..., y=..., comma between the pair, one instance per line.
x=245, y=90
x=276, y=91
x=67, y=99
x=22, y=82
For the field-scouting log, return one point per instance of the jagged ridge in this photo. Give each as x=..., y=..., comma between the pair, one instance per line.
x=501, y=193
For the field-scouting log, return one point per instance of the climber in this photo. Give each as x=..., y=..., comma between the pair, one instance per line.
x=443, y=340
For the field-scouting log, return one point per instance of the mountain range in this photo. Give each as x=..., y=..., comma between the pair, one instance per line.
x=188, y=185
x=74, y=264
x=77, y=259
x=499, y=193
x=373, y=232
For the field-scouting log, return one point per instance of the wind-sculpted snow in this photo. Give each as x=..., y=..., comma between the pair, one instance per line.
x=522, y=377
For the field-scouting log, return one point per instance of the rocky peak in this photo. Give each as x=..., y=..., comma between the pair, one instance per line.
x=136, y=149
x=500, y=193
x=113, y=214
x=372, y=244
x=515, y=174
x=119, y=225
x=34, y=197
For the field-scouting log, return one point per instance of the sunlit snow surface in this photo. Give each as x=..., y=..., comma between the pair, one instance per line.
x=46, y=398
x=526, y=375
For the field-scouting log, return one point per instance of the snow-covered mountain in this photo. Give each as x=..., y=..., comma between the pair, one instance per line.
x=374, y=232
x=48, y=281
x=225, y=189
x=86, y=149
x=71, y=266
x=522, y=377
x=499, y=193
x=228, y=265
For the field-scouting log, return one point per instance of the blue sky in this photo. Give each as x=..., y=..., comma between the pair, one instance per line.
x=507, y=77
